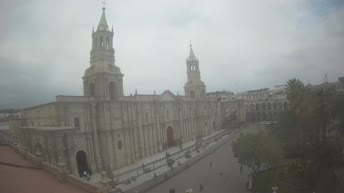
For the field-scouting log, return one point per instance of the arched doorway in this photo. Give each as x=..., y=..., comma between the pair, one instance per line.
x=38, y=149
x=169, y=133
x=81, y=161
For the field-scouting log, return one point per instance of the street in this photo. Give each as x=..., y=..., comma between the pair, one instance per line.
x=223, y=177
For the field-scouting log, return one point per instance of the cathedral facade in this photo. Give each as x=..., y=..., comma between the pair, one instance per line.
x=103, y=130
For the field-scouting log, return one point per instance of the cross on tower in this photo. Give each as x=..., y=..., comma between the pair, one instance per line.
x=104, y=5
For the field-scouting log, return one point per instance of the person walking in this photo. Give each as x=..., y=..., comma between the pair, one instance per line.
x=210, y=164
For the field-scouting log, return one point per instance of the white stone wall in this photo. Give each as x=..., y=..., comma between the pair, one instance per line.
x=116, y=133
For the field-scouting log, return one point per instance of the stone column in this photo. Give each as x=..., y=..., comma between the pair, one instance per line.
x=61, y=164
x=105, y=183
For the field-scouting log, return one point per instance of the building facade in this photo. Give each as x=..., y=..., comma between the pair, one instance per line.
x=256, y=105
x=103, y=130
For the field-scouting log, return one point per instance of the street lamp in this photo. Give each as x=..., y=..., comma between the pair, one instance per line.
x=274, y=189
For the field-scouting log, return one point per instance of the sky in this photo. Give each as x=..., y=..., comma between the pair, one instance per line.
x=241, y=44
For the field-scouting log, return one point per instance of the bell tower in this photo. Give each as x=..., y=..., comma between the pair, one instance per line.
x=103, y=78
x=194, y=87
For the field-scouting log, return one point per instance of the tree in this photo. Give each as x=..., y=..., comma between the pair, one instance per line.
x=257, y=151
x=296, y=92
x=286, y=130
x=295, y=95
x=322, y=108
x=312, y=108
x=327, y=154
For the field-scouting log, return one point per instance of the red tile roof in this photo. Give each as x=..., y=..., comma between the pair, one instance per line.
x=26, y=180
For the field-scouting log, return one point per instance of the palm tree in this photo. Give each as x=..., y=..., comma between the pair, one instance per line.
x=296, y=94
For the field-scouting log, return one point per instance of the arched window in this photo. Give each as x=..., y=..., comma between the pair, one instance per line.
x=263, y=107
x=112, y=90
x=95, y=42
x=101, y=41
x=192, y=94
x=76, y=122
x=168, y=115
x=274, y=105
x=147, y=117
x=252, y=107
x=107, y=43
x=91, y=89
x=258, y=107
x=269, y=106
x=280, y=106
x=119, y=144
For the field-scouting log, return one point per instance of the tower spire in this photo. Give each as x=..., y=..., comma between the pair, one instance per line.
x=194, y=87
x=191, y=53
x=102, y=25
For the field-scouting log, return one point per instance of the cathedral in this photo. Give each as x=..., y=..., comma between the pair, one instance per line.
x=104, y=130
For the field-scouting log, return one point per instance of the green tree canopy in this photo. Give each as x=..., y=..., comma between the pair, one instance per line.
x=257, y=151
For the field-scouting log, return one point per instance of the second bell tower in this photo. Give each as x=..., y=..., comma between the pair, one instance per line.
x=194, y=87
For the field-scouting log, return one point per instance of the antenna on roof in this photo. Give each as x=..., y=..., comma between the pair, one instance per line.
x=325, y=79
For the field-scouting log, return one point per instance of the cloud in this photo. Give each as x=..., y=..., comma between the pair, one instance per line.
x=241, y=45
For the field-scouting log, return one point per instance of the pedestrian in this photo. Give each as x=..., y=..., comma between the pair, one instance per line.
x=210, y=164
x=170, y=191
x=86, y=175
x=201, y=187
x=143, y=166
x=173, y=190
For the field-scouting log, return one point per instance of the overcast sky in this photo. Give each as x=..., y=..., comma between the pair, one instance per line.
x=241, y=44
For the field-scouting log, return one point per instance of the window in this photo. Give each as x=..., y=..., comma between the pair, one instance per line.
x=76, y=122
x=91, y=89
x=119, y=144
x=112, y=88
x=95, y=42
x=101, y=41
x=107, y=46
x=147, y=116
x=192, y=94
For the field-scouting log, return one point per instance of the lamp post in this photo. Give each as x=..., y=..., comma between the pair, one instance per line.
x=274, y=189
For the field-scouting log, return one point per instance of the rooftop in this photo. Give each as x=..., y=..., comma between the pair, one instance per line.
x=16, y=176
